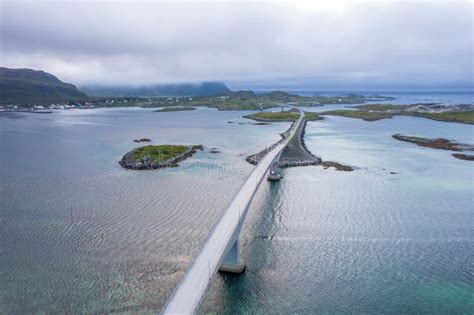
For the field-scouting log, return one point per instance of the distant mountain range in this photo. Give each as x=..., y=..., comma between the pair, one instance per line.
x=31, y=87
x=182, y=89
x=26, y=86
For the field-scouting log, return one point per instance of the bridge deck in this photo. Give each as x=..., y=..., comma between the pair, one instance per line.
x=187, y=297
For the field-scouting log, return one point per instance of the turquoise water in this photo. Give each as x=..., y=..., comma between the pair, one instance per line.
x=79, y=234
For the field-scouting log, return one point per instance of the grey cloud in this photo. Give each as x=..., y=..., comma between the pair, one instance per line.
x=379, y=45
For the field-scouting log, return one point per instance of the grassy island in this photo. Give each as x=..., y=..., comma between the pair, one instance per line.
x=372, y=112
x=175, y=109
x=158, y=153
x=157, y=156
x=381, y=107
x=365, y=115
x=281, y=116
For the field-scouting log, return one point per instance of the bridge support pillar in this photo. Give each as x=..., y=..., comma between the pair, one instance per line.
x=274, y=173
x=232, y=262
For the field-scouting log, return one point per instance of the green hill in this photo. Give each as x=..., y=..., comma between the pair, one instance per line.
x=27, y=87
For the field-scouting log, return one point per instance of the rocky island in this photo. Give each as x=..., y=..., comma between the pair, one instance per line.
x=175, y=109
x=142, y=140
x=157, y=156
x=439, y=143
x=465, y=157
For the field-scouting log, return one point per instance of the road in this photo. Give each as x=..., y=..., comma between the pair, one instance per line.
x=192, y=287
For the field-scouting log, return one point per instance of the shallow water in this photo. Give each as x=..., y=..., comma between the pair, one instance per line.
x=80, y=234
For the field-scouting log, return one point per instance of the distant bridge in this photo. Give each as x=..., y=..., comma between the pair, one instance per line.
x=221, y=250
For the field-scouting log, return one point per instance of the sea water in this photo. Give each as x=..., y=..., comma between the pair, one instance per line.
x=80, y=234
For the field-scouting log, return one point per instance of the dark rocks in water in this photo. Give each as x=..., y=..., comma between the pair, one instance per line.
x=393, y=173
x=261, y=123
x=337, y=166
x=438, y=143
x=142, y=140
x=465, y=157
x=297, y=154
x=230, y=122
x=214, y=150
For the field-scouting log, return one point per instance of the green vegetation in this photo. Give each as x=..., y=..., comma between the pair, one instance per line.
x=175, y=109
x=311, y=116
x=238, y=100
x=465, y=117
x=31, y=87
x=248, y=100
x=365, y=115
x=372, y=112
x=281, y=116
x=274, y=116
x=158, y=153
x=381, y=107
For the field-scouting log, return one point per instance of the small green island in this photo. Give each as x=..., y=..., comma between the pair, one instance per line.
x=175, y=109
x=157, y=156
x=291, y=115
x=439, y=143
x=364, y=115
x=463, y=113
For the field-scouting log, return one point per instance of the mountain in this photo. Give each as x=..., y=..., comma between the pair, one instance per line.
x=181, y=89
x=26, y=86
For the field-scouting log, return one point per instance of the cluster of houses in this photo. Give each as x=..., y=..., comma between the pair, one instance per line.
x=44, y=109
x=178, y=99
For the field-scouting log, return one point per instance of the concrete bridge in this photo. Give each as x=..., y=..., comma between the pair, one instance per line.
x=221, y=250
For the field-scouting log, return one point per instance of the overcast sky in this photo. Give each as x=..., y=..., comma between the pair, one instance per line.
x=266, y=45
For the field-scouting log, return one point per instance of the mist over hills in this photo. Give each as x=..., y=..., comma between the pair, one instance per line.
x=28, y=87
x=179, y=89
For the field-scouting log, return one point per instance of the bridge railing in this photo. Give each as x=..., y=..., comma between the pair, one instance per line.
x=187, y=296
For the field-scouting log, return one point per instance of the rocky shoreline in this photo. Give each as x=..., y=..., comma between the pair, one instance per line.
x=440, y=143
x=129, y=160
x=142, y=140
x=465, y=157
x=297, y=154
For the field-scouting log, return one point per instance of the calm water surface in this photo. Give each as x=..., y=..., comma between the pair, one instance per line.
x=80, y=234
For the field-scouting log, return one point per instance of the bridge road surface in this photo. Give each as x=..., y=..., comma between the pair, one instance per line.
x=187, y=296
